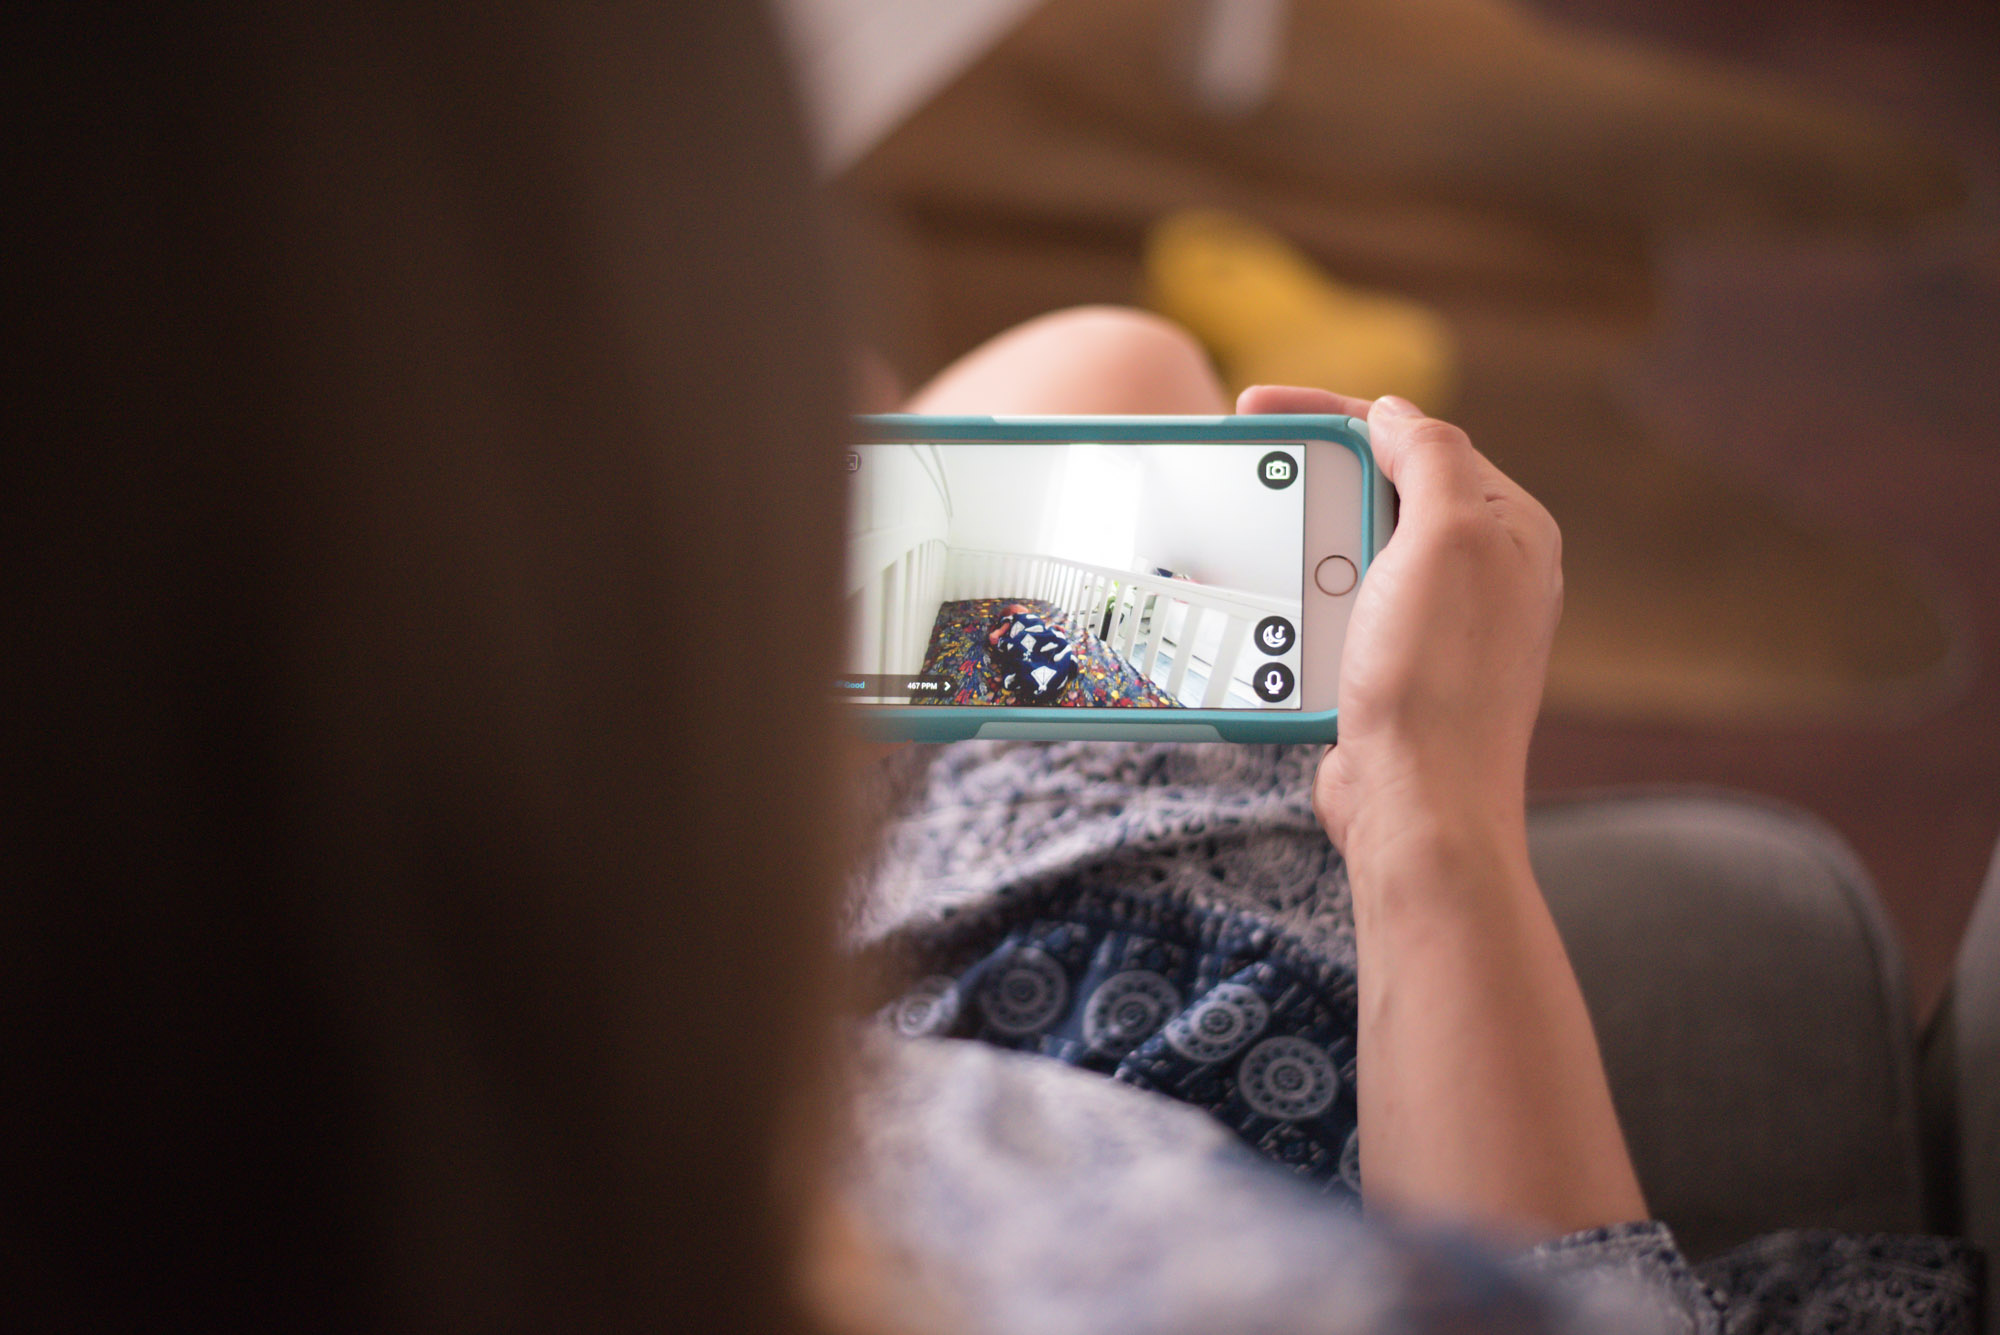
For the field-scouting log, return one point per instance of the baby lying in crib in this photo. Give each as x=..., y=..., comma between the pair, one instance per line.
x=1034, y=661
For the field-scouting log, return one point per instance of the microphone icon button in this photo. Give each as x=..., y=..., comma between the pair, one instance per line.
x=1273, y=682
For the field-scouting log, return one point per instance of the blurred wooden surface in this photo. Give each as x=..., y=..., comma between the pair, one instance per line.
x=1859, y=385
x=1705, y=418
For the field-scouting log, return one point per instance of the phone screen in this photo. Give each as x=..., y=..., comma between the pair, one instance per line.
x=1075, y=575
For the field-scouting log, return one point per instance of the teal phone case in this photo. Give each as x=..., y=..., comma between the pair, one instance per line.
x=951, y=723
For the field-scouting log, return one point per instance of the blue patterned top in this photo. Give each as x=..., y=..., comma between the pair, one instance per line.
x=1174, y=919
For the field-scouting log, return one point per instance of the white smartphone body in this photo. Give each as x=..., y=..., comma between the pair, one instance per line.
x=1140, y=578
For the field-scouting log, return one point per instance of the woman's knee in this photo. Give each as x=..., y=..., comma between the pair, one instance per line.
x=1135, y=347
x=1084, y=359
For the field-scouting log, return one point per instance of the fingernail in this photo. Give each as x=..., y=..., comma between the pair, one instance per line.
x=1396, y=407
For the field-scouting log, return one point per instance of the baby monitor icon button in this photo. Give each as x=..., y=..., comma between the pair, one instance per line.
x=1272, y=682
x=1275, y=635
x=1277, y=470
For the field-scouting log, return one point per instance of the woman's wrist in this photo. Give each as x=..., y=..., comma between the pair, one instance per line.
x=1424, y=856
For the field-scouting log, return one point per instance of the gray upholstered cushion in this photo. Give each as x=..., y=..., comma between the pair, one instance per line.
x=1750, y=1003
x=1962, y=1088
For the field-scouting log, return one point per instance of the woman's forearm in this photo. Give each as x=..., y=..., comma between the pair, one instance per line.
x=1482, y=1095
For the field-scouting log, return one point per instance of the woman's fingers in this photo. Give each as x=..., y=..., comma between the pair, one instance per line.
x=1260, y=399
x=1414, y=451
x=1431, y=463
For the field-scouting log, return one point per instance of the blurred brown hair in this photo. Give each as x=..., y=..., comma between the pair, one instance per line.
x=420, y=571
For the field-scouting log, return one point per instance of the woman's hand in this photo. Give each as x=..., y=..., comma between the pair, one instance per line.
x=1448, y=644
x=1482, y=1096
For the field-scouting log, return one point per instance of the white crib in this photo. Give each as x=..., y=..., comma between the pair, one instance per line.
x=1189, y=639
x=896, y=587
x=1163, y=628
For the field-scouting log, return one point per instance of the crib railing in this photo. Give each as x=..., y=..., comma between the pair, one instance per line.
x=1157, y=625
x=895, y=573
x=895, y=583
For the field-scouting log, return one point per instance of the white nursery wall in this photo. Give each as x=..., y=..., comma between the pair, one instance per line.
x=1002, y=495
x=1203, y=514
x=1200, y=511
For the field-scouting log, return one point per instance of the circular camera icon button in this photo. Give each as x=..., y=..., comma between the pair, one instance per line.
x=1277, y=470
x=1275, y=635
x=1272, y=682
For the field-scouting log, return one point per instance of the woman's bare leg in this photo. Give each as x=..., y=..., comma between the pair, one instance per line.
x=1088, y=359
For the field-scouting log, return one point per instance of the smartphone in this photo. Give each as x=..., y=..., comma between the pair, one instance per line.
x=1104, y=578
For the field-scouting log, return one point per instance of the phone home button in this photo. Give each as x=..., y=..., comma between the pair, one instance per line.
x=1335, y=576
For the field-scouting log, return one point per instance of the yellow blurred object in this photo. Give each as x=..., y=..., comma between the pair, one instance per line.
x=1270, y=316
